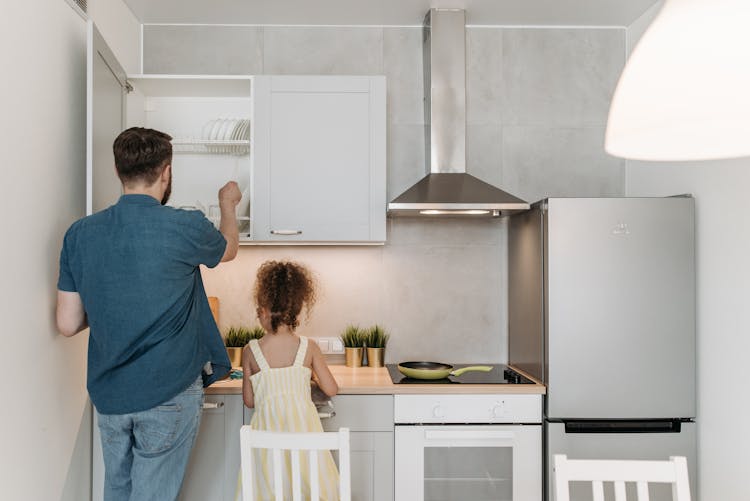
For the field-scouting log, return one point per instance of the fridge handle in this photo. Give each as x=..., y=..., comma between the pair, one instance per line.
x=649, y=426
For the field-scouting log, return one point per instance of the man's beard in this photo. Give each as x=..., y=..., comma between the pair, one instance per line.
x=167, y=192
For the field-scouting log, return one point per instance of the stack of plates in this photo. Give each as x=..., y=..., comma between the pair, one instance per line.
x=227, y=135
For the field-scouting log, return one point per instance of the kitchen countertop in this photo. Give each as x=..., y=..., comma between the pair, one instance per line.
x=376, y=381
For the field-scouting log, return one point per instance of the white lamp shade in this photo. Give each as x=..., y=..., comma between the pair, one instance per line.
x=685, y=91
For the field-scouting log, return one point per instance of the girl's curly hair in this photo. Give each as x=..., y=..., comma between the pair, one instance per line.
x=284, y=287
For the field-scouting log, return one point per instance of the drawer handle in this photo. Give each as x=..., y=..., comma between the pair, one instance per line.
x=213, y=405
x=326, y=415
x=286, y=232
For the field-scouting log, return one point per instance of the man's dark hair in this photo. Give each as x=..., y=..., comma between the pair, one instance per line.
x=141, y=154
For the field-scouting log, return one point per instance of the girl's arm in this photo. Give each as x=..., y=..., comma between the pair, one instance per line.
x=323, y=375
x=247, y=386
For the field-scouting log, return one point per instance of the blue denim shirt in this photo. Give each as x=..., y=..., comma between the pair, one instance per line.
x=136, y=268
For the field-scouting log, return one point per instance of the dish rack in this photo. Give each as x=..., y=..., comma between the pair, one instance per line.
x=221, y=136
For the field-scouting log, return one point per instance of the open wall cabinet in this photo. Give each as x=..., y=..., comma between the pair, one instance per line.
x=308, y=152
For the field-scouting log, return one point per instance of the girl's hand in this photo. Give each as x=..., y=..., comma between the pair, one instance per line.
x=326, y=381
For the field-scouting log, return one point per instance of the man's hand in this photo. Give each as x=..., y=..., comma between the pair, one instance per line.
x=229, y=197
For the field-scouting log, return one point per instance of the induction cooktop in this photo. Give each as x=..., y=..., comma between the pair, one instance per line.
x=500, y=374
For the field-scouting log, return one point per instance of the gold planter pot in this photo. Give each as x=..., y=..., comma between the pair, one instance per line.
x=235, y=356
x=353, y=356
x=375, y=357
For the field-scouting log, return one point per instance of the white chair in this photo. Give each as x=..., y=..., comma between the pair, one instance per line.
x=295, y=442
x=641, y=472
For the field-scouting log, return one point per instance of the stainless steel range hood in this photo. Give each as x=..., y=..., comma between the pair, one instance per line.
x=448, y=189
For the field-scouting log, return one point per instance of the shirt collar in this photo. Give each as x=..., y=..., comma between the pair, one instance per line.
x=138, y=199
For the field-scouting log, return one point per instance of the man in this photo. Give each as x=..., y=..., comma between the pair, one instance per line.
x=131, y=273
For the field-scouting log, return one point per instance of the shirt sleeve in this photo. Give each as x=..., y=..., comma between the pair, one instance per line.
x=207, y=244
x=65, y=280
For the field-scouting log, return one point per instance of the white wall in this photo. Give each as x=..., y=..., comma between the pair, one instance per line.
x=723, y=287
x=44, y=428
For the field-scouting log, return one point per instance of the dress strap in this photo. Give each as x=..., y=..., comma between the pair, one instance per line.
x=258, y=354
x=301, y=352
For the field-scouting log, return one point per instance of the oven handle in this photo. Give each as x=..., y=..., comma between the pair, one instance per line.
x=468, y=435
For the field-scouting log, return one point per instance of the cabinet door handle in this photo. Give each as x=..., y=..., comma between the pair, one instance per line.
x=213, y=405
x=286, y=232
x=326, y=415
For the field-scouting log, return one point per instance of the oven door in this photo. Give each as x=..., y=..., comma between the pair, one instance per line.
x=461, y=463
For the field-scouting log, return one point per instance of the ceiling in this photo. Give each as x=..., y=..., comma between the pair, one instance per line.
x=389, y=12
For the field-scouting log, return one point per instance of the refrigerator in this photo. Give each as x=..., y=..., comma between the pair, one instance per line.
x=601, y=308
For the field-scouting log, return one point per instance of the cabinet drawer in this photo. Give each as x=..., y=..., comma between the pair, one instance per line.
x=361, y=413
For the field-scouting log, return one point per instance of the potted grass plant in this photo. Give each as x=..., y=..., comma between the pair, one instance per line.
x=375, y=339
x=353, y=339
x=236, y=337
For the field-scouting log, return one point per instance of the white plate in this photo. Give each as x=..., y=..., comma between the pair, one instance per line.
x=215, y=129
x=246, y=130
x=226, y=129
x=236, y=135
x=206, y=131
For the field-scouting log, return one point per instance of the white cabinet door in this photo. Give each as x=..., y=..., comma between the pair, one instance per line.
x=214, y=466
x=319, y=159
x=372, y=466
x=370, y=420
x=105, y=98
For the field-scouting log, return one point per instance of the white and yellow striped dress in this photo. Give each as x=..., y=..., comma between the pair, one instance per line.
x=283, y=403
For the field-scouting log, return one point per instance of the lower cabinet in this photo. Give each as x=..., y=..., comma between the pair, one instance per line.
x=370, y=421
x=214, y=465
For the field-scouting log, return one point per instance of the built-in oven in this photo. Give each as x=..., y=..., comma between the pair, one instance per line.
x=468, y=447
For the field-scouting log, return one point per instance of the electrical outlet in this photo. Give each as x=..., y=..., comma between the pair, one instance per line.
x=337, y=346
x=330, y=345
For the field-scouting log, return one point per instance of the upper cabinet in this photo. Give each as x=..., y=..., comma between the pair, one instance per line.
x=319, y=159
x=308, y=152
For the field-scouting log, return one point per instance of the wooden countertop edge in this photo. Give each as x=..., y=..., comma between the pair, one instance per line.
x=376, y=381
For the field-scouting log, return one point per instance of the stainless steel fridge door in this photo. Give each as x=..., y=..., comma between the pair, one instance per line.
x=654, y=446
x=620, y=308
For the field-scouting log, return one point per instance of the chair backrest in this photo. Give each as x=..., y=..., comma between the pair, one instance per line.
x=641, y=472
x=278, y=442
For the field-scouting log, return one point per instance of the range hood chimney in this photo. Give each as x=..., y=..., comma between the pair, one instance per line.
x=448, y=189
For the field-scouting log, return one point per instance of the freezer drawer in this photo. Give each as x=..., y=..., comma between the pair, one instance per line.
x=655, y=446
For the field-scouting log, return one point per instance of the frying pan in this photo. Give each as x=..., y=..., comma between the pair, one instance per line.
x=435, y=370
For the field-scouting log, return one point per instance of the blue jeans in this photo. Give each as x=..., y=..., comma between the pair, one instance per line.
x=146, y=453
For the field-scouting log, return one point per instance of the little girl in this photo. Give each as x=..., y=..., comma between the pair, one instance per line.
x=278, y=370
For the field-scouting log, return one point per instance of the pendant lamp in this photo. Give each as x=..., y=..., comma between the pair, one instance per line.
x=685, y=91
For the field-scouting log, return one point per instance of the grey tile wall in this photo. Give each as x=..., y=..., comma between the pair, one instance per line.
x=203, y=50
x=537, y=101
x=559, y=162
x=323, y=51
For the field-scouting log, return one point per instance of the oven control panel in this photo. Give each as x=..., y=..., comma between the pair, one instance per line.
x=419, y=409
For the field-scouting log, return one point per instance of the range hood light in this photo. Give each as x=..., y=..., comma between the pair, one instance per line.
x=467, y=212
